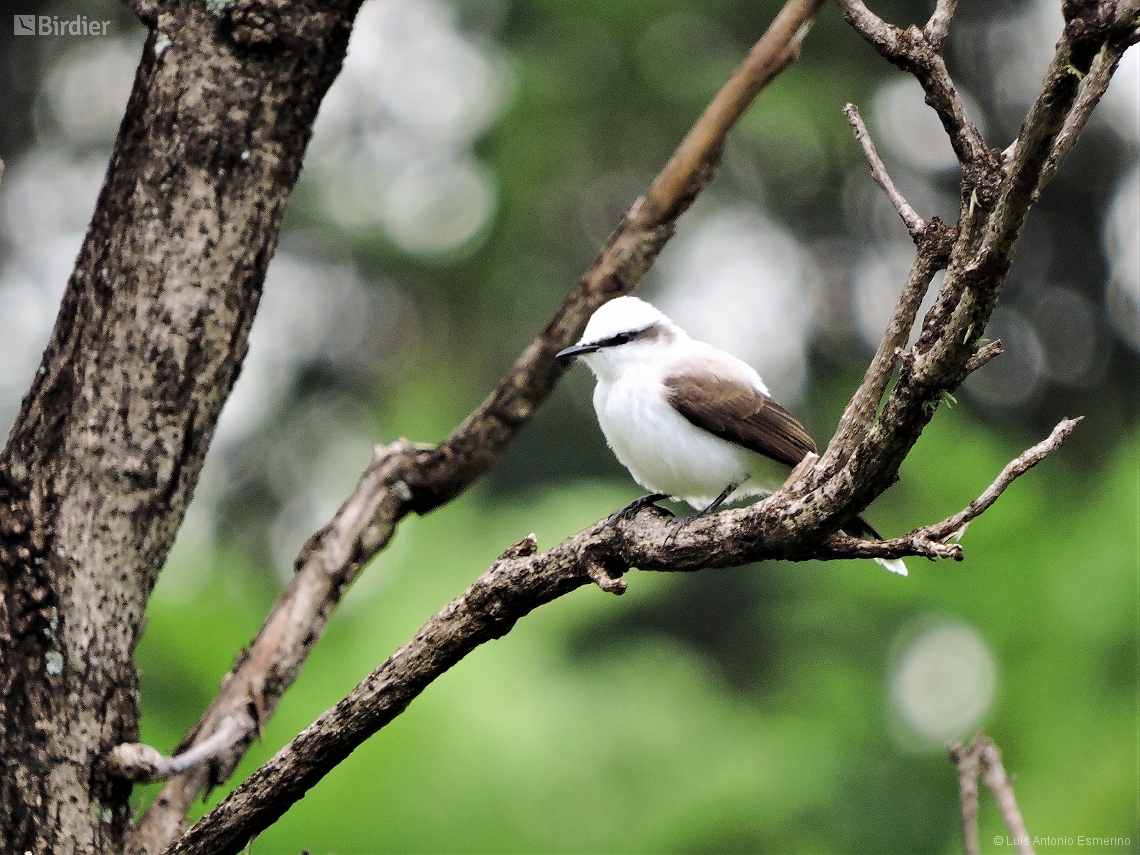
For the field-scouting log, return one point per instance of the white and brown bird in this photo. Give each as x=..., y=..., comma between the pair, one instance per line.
x=688, y=420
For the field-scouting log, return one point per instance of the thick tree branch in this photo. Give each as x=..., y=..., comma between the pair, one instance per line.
x=795, y=524
x=105, y=453
x=404, y=478
x=520, y=581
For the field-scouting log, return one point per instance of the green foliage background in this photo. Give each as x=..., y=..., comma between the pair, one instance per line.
x=730, y=711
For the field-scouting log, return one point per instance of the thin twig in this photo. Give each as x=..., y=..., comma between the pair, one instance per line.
x=982, y=754
x=967, y=762
x=914, y=223
x=403, y=478
x=983, y=356
x=912, y=51
x=1000, y=785
x=939, y=23
x=931, y=541
x=1093, y=88
x=141, y=764
x=1012, y=471
x=520, y=581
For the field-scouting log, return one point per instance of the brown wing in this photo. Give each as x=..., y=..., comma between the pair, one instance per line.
x=736, y=412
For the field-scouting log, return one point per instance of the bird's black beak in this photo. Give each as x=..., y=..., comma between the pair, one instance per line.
x=576, y=350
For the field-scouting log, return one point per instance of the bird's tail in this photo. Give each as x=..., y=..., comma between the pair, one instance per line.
x=859, y=527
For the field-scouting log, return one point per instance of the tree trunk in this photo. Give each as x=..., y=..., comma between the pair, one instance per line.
x=109, y=443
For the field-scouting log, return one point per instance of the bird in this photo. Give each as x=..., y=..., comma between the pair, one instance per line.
x=689, y=421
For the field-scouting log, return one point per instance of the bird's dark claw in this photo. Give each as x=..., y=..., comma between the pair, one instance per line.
x=635, y=506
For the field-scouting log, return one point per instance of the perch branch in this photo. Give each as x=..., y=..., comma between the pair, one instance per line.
x=789, y=525
x=521, y=580
x=914, y=223
x=982, y=754
x=404, y=478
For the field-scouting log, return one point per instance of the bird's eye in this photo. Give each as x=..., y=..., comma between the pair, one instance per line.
x=620, y=338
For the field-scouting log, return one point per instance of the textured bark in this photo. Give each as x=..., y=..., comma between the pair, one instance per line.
x=404, y=478
x=521, y=580
x=801, y=519
x=105, y=453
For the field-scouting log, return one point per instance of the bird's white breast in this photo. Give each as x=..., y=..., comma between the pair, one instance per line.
x=663, y=451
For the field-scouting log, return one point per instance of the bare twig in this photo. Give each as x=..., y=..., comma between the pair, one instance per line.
x=520, y=581
x=1000, y=785
x=914, y=223
x=1012, y=471
x=912, y=51
x=939, y=23
x=141, y=764
x=983, y=754
x=967, y=763
x=1093, y=88
x=983, y=355
x=404, y=478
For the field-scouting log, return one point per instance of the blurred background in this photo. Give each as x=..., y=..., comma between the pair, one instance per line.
x=466, y=166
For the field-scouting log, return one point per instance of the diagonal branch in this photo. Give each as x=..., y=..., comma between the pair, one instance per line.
x=1093, y=88
x=521, y=580
x=864, y=457
x=914, y=223
x=403, y=478
x=794, y=524
x=1012, y=471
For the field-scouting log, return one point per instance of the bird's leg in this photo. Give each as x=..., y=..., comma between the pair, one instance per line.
x=633, y=507
x=712, y=508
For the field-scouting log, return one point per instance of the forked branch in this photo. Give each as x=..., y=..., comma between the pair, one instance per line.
x=983, y=755
x=797, y=523
x=521, y=580
x=405, y=478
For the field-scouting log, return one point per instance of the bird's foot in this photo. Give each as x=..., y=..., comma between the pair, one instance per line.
x=676, y=527
x=635, y=506
x=711, y=509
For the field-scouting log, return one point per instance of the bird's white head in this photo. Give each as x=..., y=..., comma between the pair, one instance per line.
x=621, y=333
